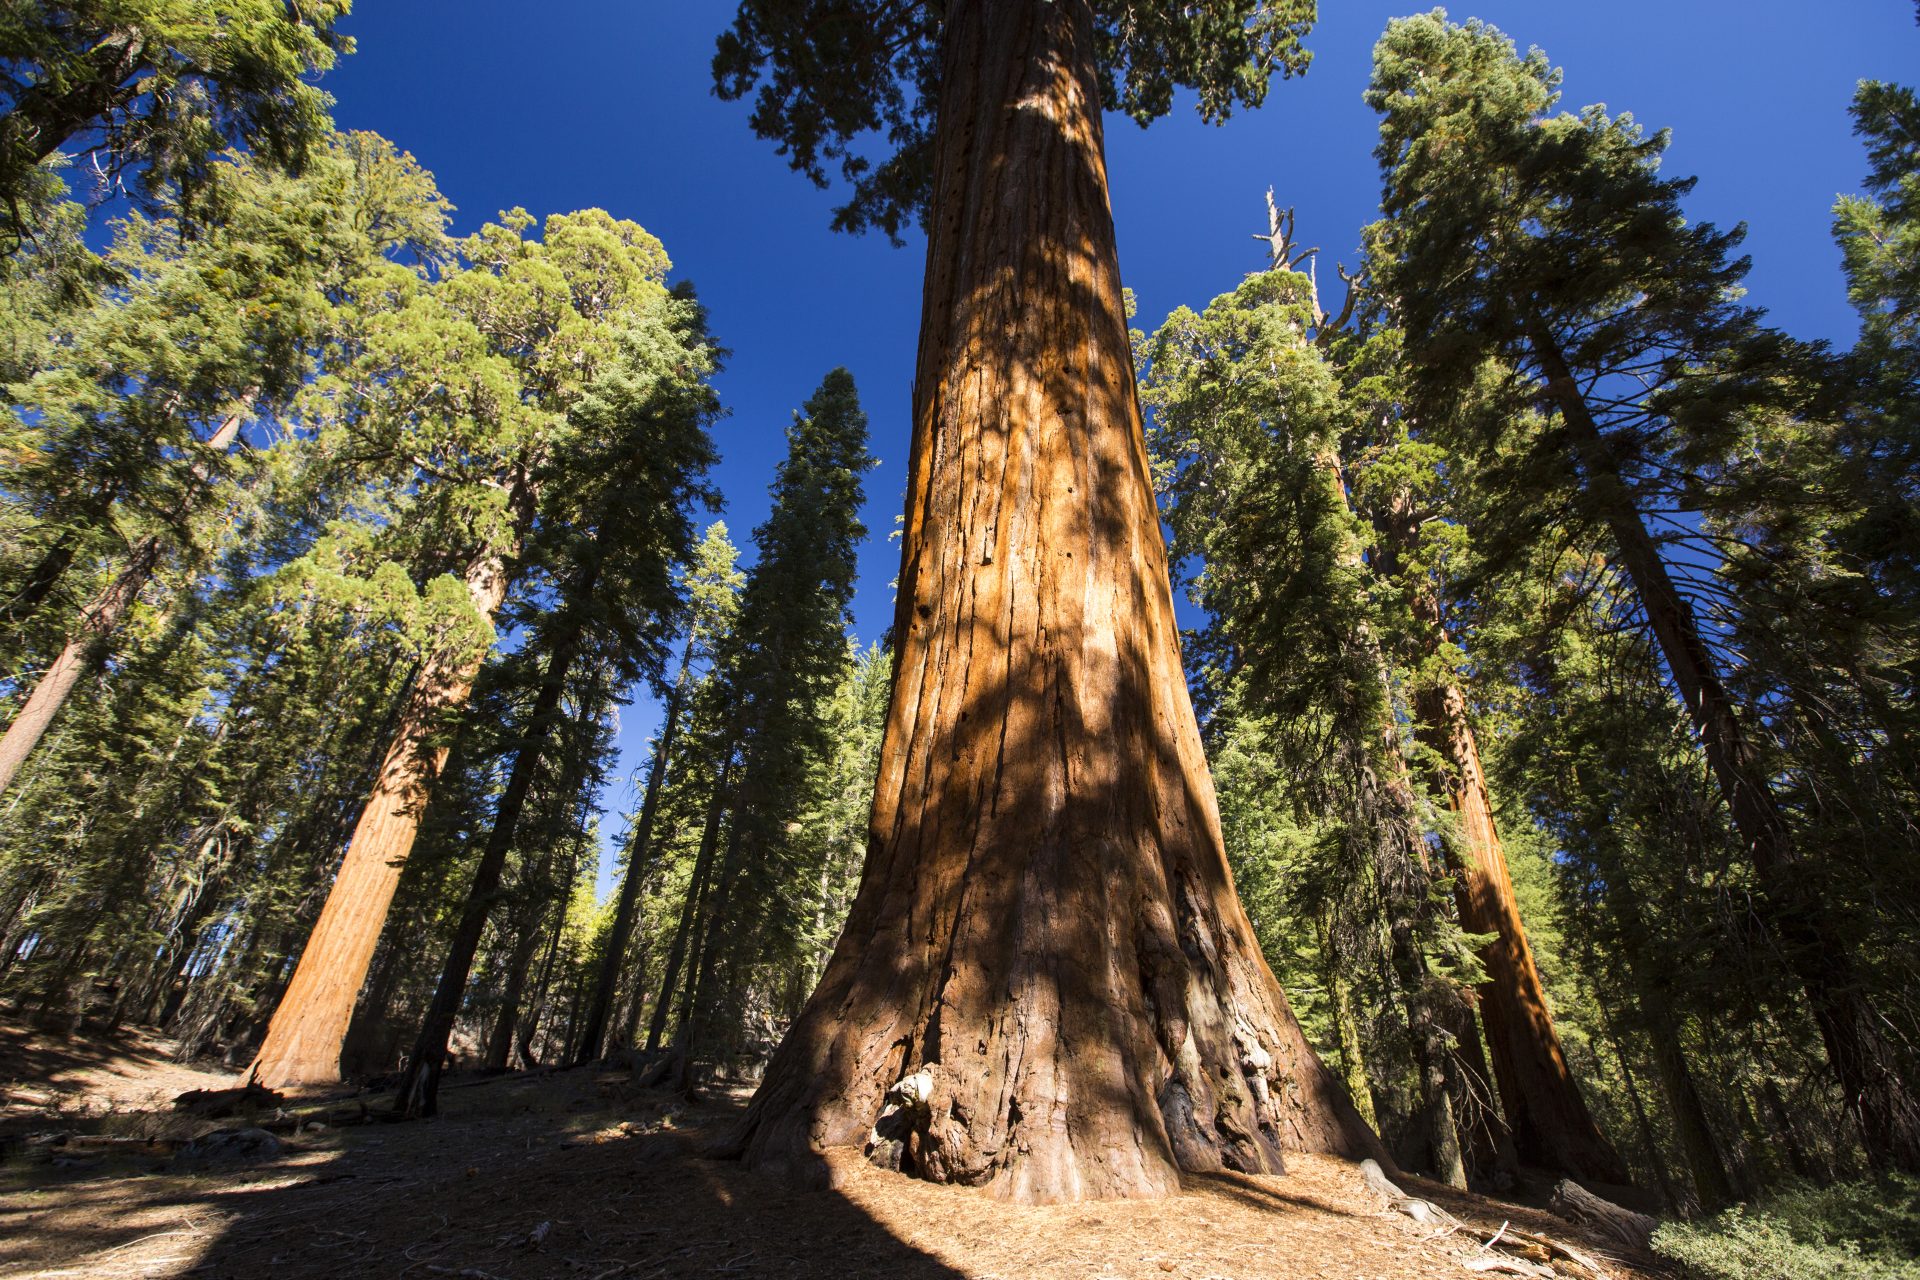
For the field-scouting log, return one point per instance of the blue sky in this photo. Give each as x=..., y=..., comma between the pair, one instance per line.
x=596, y=103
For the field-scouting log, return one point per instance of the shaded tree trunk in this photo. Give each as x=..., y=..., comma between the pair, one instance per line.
x=500, y=1042
x=1046, y=931
x=690, y=909
x=303, y=1041
x=607, y=982
x=1712, y=1185
x=1655, y=1160
x=1346, y=1026
x=1863, y=1059
x=419, y=1090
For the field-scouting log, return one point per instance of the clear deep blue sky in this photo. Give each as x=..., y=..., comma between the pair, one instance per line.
x=581, y=103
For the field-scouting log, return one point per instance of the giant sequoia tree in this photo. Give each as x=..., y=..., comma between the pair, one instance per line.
x=1046, y=954
x=463, y=399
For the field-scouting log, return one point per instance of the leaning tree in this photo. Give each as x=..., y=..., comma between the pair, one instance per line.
x=1046, y=983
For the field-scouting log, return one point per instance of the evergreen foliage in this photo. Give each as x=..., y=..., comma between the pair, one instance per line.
x=831, y=77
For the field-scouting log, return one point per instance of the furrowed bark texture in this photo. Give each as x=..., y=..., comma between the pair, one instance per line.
x=303, y=1041
x=1046, y=933
x=1545, y=1112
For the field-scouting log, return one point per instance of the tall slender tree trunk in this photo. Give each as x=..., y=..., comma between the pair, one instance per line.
x=1046, y=933
x=1655, y=1160
x=530, y=1024
x=690, y=908
x=500, y=1042
x=696, y=1009
x=1546, y=1113
x=607, y=982
x=1712, y=1184
x=100, y=619
x=1863, y=1059
x=303, y=1041
x=419, y=1090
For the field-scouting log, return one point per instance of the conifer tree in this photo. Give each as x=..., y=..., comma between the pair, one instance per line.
x=1043, y=792
x=461, y=398
x=1549, y=241
x=781, y=662
x=202, y=333
x=159, y=88
x=620, y=526
x=712, y=585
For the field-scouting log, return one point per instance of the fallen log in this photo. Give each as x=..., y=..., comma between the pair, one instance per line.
x=1631, y=1231
x=1523, y=1253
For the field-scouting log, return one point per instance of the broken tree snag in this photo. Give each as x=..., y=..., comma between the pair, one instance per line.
x=1045, y=925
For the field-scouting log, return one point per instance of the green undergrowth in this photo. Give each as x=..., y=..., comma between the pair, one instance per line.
x=1849, y=1231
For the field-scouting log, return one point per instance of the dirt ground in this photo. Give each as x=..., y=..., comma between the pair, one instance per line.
x=574, y=1174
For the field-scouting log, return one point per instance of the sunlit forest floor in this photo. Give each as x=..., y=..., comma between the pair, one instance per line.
x=576, y=1174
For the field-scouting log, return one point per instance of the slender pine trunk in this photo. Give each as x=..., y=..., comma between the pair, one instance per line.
x=1862, y=1057
x=691, y=906
x=419, y=1090
x=639, y=855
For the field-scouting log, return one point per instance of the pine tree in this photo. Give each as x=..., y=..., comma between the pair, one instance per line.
x=1043, y=791
x=158, y=88
x=1550, y=242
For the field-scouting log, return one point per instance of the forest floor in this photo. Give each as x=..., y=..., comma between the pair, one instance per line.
x=575, y=1174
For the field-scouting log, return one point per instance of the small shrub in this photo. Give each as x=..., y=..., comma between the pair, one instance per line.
x=1850, y=1231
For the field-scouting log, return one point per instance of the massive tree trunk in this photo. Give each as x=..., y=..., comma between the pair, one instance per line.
x=1545, y=1112
x=1863, y=1059
x=303, y=1041
x=1046, y=935
x=607, y=981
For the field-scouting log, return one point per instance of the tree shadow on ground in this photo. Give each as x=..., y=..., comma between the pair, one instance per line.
x=569, y=1176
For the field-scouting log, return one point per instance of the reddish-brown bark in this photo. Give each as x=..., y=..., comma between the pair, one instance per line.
x=1545, y=1113
x=303, y=1041
x=100, y=619
x=1046, y=933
